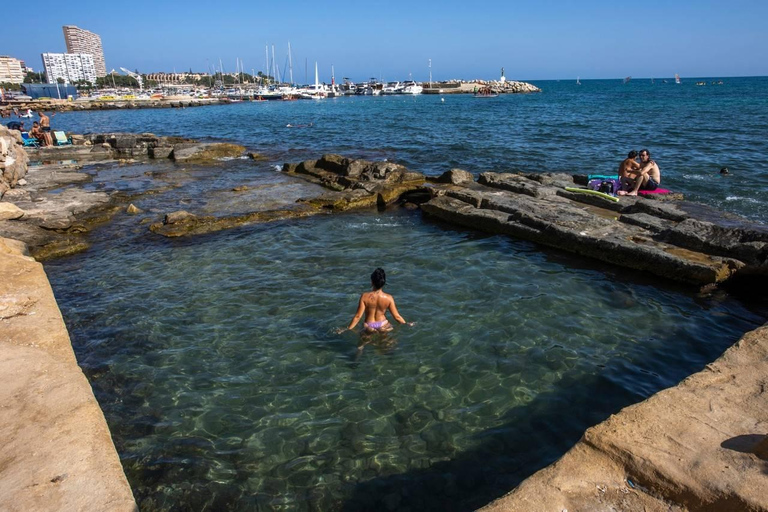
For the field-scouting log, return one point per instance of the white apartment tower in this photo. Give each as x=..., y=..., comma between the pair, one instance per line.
x=70, y=67
x=82, y=41
x=11, y=70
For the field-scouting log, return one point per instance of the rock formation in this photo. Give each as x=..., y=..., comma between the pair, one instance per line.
x=672, y=239
x=13, y=159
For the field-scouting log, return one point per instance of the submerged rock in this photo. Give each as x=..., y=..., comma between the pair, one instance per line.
x=197, y=152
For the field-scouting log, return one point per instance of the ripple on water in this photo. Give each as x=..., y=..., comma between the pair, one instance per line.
x=225, y=387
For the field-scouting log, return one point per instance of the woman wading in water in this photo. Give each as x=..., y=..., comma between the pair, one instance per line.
x=374, y=305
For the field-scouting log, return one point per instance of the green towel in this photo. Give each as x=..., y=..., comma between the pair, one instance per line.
x=602, y=176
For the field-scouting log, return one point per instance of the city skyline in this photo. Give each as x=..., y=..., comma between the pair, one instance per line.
x=560, y=40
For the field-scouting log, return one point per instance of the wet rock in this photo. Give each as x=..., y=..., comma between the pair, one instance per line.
x=647, y=240
x=159, y=152
x=241, y=188
x=133, y=210
x=256, y=156
x=199, y=152
x=355, y=183
x=456, y=177
x=9, y=211
x=178, y=216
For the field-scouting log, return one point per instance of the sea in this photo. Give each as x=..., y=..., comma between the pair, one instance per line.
x=216, y=358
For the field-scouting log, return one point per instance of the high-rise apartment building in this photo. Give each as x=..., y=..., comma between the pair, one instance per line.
x=82, y=41
x=11, y=70
x=70, y=67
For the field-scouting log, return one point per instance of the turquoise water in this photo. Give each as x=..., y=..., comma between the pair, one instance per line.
x=691, y=131
x=215, y=358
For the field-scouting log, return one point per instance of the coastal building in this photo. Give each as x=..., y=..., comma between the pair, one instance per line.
x=11, y=70
x=82, y=41
x=70, y=67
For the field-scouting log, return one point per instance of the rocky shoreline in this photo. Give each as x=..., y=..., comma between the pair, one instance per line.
x=57, y=450
x=47, y=207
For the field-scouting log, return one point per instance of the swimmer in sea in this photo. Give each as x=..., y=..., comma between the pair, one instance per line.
x=374, y=305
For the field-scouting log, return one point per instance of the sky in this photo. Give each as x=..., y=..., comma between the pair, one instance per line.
x=394, y=40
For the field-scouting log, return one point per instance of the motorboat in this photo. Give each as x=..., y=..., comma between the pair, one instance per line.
x=412, y=87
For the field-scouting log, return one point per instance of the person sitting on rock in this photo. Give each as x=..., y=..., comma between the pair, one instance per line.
x=37, y=133
x=648, y=177
x=16, y=125
x=628, y=169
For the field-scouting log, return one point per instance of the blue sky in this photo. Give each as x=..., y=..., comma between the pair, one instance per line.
x=392, y=39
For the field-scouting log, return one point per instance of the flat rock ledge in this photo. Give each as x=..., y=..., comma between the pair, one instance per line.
x=352, y=184
x=115, y=145
x=672, y=239
x=57, y=451
x=701, y=445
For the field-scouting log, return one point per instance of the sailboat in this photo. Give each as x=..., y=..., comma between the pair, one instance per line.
x=316, y=91
x=677, y=79
x=627, y=79
x=578, y=82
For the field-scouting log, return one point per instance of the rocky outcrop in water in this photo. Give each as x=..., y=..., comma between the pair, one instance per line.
x=352, y=184
x=116, y=145
x=355, y=183
x=671, y=239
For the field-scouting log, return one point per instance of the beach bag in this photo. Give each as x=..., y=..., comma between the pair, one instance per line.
x=607, y=186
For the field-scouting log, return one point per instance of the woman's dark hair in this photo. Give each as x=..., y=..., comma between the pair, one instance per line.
x=378, y=278
x=632, y=154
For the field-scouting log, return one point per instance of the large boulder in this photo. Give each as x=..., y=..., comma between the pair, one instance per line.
x=9, y=211
x=13, y=159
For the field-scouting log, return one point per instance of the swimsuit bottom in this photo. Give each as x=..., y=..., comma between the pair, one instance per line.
x=651, y=185
x=375, y=325
x=46, y=128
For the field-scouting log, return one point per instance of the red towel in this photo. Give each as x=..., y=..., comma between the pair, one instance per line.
x=657, y=191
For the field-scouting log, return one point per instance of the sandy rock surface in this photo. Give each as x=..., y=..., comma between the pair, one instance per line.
x=57, y=451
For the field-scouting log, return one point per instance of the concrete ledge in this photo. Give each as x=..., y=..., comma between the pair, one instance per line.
x=701, y=445
x=57, y=451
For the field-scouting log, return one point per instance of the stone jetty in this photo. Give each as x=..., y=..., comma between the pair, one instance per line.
x=116, y=104
x=472, y=86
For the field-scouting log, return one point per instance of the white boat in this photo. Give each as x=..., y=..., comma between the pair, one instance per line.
x=412, y=87
x=578, y=82
x=677, y=79
x=392, y=88
x=316, y=91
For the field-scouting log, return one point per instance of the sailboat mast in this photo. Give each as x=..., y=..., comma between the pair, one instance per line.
x=290, y=63
x=274, y=63
x=430, y=74
x=266, y=61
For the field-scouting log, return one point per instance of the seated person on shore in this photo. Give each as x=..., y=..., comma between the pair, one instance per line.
x=36, y=132
x=374, y=305
x=648, y=177
x=628, y=170
x=45, y=126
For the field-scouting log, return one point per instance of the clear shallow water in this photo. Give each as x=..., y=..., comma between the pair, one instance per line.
x=691, y=131
x=225, y=388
